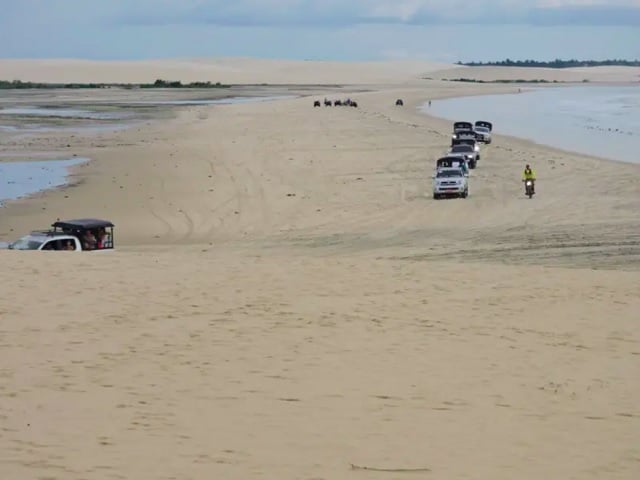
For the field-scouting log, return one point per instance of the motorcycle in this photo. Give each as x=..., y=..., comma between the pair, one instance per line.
x=528, y=188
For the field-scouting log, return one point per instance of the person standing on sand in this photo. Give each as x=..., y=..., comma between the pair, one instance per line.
x=429, y=102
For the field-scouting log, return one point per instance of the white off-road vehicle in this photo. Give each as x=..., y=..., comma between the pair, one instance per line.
x=483, y=130
x=75, y=235
x=450, y=182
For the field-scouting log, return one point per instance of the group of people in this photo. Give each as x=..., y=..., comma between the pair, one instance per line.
x=93, y=241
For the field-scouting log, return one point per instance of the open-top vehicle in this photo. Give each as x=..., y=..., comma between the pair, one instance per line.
x=462, y=126
x=465, y=133
x=467, y=141
x=465, y=151
x=453, y=162
x=79, y=235
x=483, y=131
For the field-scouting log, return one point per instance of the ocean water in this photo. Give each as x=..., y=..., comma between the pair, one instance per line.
x=603, y=121
x=19, y=179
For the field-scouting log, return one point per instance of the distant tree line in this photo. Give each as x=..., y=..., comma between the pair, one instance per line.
x=520, y=80
x=18, y=84
x=557, y=63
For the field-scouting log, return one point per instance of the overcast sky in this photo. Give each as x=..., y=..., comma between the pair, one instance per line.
x=441, y=30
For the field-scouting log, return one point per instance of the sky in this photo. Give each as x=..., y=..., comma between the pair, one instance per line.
x=435, y=30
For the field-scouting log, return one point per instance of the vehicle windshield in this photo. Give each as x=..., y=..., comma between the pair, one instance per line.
x=462, y=148
x=449, y=174
x=482, y=129
x=26, y=243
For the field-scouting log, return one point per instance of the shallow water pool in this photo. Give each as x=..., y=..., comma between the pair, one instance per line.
x=20, y=179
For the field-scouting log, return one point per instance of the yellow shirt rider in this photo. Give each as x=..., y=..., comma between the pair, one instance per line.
x=528, y=174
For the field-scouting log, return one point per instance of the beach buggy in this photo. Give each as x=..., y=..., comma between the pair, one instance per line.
x=85, y=234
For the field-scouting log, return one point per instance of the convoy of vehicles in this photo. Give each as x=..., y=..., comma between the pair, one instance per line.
x=450, y=179
x=452, y=170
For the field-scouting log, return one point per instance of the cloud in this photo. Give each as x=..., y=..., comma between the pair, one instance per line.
x=320, y=29
x=315, y=13
x=340, y=13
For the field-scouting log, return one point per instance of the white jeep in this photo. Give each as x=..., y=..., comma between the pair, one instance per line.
x=450, y=182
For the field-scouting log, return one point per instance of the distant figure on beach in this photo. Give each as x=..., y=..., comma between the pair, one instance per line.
x=429, y=102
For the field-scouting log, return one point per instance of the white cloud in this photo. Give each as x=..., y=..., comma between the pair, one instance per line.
x=320, y=13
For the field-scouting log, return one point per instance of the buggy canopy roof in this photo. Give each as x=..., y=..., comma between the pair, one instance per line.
x=462, y=126
x=82, y=223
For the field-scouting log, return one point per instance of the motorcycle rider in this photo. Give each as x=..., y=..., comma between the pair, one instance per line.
x=529, y=174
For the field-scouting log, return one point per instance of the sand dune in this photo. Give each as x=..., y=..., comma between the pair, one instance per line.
x=252, y=71
x=226, y=70
x=286, y=300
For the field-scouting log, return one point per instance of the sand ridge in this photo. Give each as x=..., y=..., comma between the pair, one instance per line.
x=274, y=71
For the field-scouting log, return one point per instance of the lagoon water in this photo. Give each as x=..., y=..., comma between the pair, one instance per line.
x=63, y=113
x=19, y=179
x=36, y=114
x=217, y=101
x=602, y=121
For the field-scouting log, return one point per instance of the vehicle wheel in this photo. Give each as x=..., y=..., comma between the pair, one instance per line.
x=436, y=196
x=465, y=194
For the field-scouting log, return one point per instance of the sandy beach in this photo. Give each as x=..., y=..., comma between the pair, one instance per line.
x=286, y=300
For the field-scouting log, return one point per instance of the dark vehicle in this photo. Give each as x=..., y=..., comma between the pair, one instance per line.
x=462, y=126
x=465, y=151
x=316, y=103
x=464, y=133
x=465, y=141
x=399, y=102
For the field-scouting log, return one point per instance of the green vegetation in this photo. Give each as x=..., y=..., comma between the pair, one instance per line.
x=18, y=84
x=557, y=63
x=520, y=80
